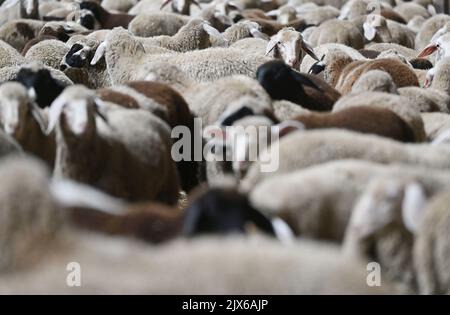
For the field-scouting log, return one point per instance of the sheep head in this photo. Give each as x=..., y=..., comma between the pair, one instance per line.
x=79, y=56
x=180, y=6
x=75, y=108
x=372, y=24
x=288, y=44
x=16, y=107
x=441, y=45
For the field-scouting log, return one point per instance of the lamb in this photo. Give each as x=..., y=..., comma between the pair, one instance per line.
x=338, y=144
x=106, y=19
x=73, y=115
x=119, y=5
x=43, y=84
x=288, y=44
x=315, y=15
x=124, y=54
x=339, y=32
x=282, y=82
x=49, y=52
x=405, y=51
x=305, y=197
x=431, y=246
x=429, y=28
x=409, y=10
x=308, y=267
x=147, y=25
x=30, y=224
x=436, y=124
x=23, y=120
x=362, y=119
x=209, y=100
x=402, y=74
x=375, y=81
x=428, y=100
x=18, y=32
x=400, y=105
x=379, y=29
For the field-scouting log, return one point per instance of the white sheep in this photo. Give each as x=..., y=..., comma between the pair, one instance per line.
x=379, y=29
x=135, y=145
x=339, y=32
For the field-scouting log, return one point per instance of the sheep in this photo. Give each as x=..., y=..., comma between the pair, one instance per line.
x=379, y=29
x=362, y=119
x=329, y=52
x=251, y=45
x=16, y=9
x=43, y=85
x=181, y=6
x=31, y=225
x=119, y=5
x=106, y=19
x=431, y=246
x=282, y=82
x=289, y=45
x=23, y=120
x=409, y=10
x=375, y=81
x=337, y=31
x=9, y=56
x=315, y=147
x=209, y=100
x=401, y=105
x=148, y=6
x=49, y=52
x=402, y=74
x=436, y=124
x=405, y=51
x=243, y=29
x=123, y=54
x=305, y=198
x=18, y=32
x=73, y=115
x=307, y=267
x=147, y=25
x=382, y=224
x=316, y=15
x=429, y=100
x=416, y=23
x=429, y=28
x=438, y=77
x=286, y=110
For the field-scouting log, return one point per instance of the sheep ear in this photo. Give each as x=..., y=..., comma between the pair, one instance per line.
x=211, y=31
x=444, y=137
x=369, y=31
x=37, y=114
x=54, y=112
x=8, y=4
x=164, y=4
x=273, y=13
x=101, y=109
x=271, y=45
x=427, y=51
x=282, y=231
x=431, y=9
x=414, y=202
x=256, y=33
x=309, y=50
x=99, y=53
x=287, y=127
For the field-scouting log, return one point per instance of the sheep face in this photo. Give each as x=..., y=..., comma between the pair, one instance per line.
x=181, y=6
x=441, y=46
x=372, y=24
x=15, y=108
x=288, y=45
x=75, y=111
x=84, y=18
x=78, y=56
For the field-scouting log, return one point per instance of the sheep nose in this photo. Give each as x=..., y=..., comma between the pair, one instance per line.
x=62, y=67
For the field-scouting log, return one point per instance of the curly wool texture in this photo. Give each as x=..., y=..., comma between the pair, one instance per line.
x=49, y=52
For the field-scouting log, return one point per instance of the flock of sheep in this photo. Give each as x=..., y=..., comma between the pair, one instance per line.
x=351, y=96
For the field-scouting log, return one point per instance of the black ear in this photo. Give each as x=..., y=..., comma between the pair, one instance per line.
x=304, y=80
x=240, y=113
x=260, y=220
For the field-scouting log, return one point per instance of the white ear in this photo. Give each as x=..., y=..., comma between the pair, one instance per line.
x=273, y=13
x=431, y=9
x=369, y=31
x=72, y=194
x=444, y=137
x=37, y=114
x=413, y=205
x=55, y=112
x=282, y=231
x=211, y=31
x=99, y=53
x=256, y=33
x=272, y=44
x=9, y=3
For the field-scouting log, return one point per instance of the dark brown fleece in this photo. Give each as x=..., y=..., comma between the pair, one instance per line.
x=364, y=119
